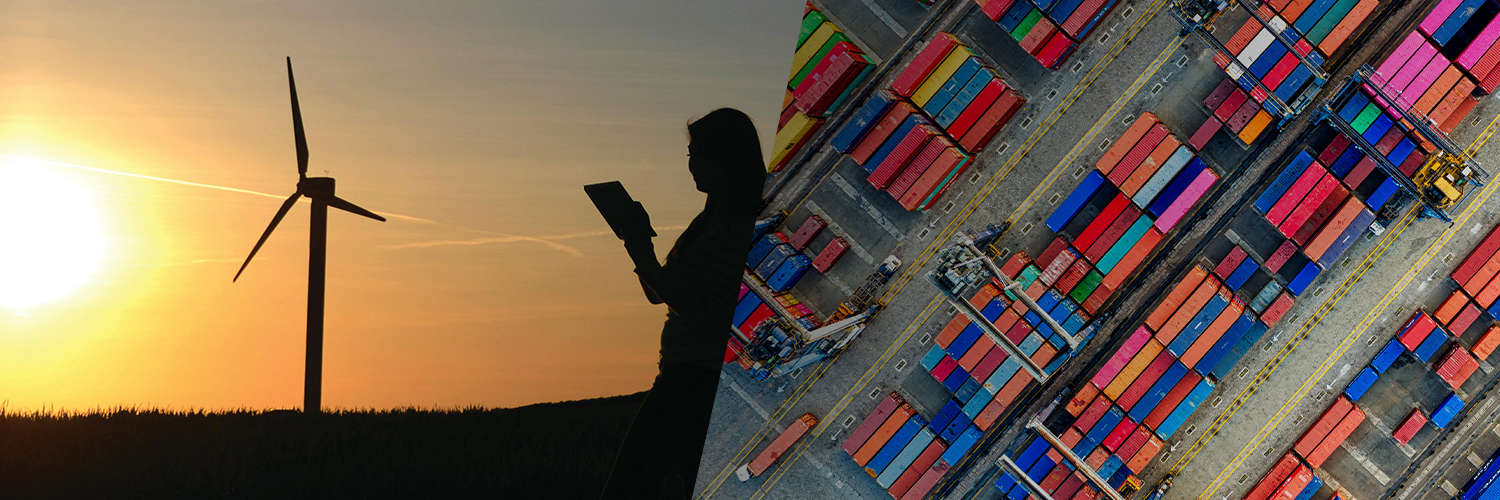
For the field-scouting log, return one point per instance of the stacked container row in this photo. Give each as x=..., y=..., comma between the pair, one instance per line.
x=826, y=68
x=1048, y=30
x=1465, y=32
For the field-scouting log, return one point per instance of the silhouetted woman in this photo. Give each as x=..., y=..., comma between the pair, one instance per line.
x=699, y=283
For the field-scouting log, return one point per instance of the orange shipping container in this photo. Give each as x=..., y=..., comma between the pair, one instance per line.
x=1487, y=296
x=1336, y=437
x=1126, y=141
x=1003, y=399
x=976, y=352
x=1273, y=479
x=1487, y=343
x=1133, y=369
x=1143, y=458
x=882, y=434
x=1322, y=426
x=1346, y=27
x=1188, y=310
x=1174, y=299
x=1130, y=262
x=1333, y=228
x=1081, y=399
x=1215, y=330
x=1149, y=165
x=1476, y=284
x=1294, y=10
x=1009, y=318
x=1450, y=307
x=950, y=332
x=1257, y=125
x=1439, y=88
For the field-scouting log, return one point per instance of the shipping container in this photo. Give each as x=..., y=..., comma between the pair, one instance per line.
x=1361, y=384
x=1148, y=143
x=1188, y=311
x=861, y=122
x=1127, y=142
x=920, y=465
x=928, y=480
x=1336, y=437
x=1184, y=289
x=1184, y=191
x=1409, y=426
x=1289, y=175
x=1487, y=342
x=1268, y=484
x=1180, y=414
x=895, y=445
x=882, y=412
x=1215, y=330
x=1446, y=410
x=1222, y=369
x=782, y=443
x=957, y=58
x=1195, y=327
x=977, y=107
x=830, y=254
x=993, y=119
x=1387, y=356
x=1322, y=426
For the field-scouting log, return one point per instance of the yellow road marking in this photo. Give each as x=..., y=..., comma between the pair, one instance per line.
x=1348, y=340
x=973, y=204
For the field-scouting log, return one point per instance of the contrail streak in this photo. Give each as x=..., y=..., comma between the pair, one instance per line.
x=496, y=237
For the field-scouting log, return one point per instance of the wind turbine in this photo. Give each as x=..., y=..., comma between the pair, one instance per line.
x=320, y=191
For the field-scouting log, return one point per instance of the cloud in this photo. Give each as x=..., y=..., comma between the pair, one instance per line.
x=550, y=241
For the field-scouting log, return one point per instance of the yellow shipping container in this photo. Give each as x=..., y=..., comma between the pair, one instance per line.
x=939, y=76
x=811, y=47
x=790, y=138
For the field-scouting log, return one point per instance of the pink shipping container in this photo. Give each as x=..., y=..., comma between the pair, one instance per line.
x=1184, y=202
x=927, y=482
x=1424, y=79
x=1398, y=58
x=807, y=231
x=1231, y=261
x=1481, y=44
x=1282, y=254
x=1205, y=133
x=1439, y=14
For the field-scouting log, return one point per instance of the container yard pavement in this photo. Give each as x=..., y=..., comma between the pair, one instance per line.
x=868, y=366
x=1298, y=391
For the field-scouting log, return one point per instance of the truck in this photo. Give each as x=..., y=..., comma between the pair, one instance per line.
x=778, y=447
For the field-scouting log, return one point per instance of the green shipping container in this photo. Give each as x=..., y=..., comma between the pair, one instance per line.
x=1026, y=25
x=1086, y=287
x=822, y=53
x=1027, y=277
x=809, y=24
x=1365, y=118
x=1335, y=14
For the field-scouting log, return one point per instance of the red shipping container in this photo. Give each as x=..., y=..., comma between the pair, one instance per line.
x=1409, y=426
x=1392, y=137
x=1055, y=477
x=1069, y=487
x=1056, y=49
x=805, y=233
x=918, y=166
x=1487, y=342
x=1321, y=215
x=1416, y=330
x=1051, y=252
x=1216, y=329
x=1231, y=105
x=1127, y=141
x=1133, y=444
x=1464, y=107
x=1294, y=194
x=948, y=160
x=1293, y=485
x=1097, y=299
x=1101, y=223
x=1172, y=399
x=1284, y=468
x=1081, y=16
x=1013, y=267
x=993, y=9
x=1336, y=437
x=977, y=107
x=1117, y=437
x=1321, y=427
x=1230, y=262
x=840, y=74
x=872, y=422
x=1279, y=72
x=830, y=255
x=1146, y=379
x=928, y=480
x=1242, y=37
x=1482, y=277
x=1309, y=205
x=883, y=129
x=1111, y=235
x=1413, y=160
x=1461, y=323
x=906, y=148
x=1279, y=258
x=1361, y=170
x=1277, y=309
x=1175, y=298
x=926, y=61
x=1034, y=39
x=1073, y=275
x=831, y=66
x=1059, y=266
x=1335, y=148
x=989, y=364
x=1347, y=25
x=1454, y=367
x=988, y=125
x=1478, y=256
x=1144, y=456
x=1205, y=133
x=1133, y=159
x=1092, y=414
x=914, y=472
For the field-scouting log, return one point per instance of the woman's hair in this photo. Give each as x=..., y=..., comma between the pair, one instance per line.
x=726, y=138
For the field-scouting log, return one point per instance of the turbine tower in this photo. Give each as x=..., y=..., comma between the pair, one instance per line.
x=320, y=191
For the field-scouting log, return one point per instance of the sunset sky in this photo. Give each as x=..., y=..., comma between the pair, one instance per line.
x=474, y=123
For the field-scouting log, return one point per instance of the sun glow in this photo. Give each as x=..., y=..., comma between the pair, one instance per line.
x=50, y=240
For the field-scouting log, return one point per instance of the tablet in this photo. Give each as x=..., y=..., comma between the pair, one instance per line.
x=613, y=203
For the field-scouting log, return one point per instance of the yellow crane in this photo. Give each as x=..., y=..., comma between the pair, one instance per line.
x=1443, y=175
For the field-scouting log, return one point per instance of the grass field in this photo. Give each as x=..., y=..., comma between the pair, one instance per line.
x=551, y=450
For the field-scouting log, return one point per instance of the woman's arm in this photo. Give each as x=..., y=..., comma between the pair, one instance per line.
x=643, y=254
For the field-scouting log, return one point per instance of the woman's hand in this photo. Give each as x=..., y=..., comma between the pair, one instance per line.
x=638, y=223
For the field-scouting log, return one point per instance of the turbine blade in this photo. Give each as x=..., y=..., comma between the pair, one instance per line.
x=297, y=122
x=344, y=205
x=285, y=207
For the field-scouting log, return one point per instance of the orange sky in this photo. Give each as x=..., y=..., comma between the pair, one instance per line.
x=485, y=117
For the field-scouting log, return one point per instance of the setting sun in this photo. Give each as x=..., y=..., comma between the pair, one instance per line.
x=50, y=241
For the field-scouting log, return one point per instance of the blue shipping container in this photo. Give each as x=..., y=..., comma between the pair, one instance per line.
x=861, y=122
x=1105, y=425
x=898, y=442
x=1159, y=390
x=1312, y=15
x=967, y=390
x=1185, y=408
x=761, y=249
x=950, y=89
x=965, y=339
x=1310, y=489
x=965, y=96
x=1360, y=384
x=1075, y=200
x=933, y=357
x=956, y=379
x=1224, y=344
x=1455, y=21
x=955, y=428
x=1353, y=107
x=747, y=306
x=1432, y=344
x=981, y=399
x=1199, y=323
x=1383, y=194
x=1483, y=479
x=773, y=261
x=1303, y=279
x=1176, y=188
x=1445, y=412
x=962, y=445
x=1284, y=180
x=1346, y=162
x=1241, y=274
x=904, y=459
x=1246, y=342
x=789, y=273
x=1346, y=239
x=890, y=143
x=1387, y=356
x=945, y=415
